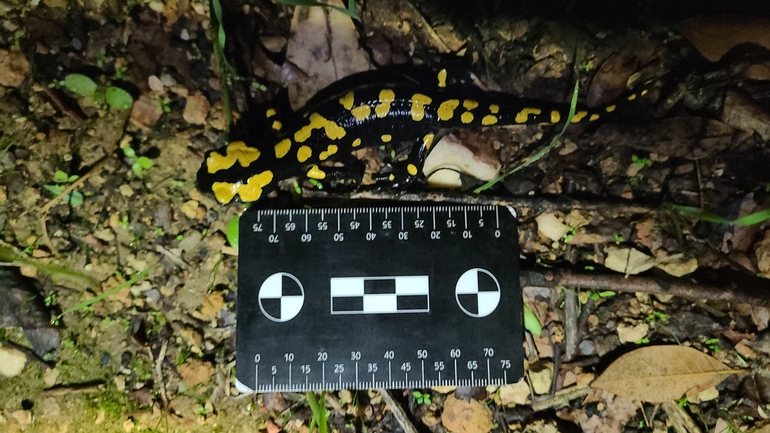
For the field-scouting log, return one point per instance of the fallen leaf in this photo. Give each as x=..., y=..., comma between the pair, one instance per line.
x=678, y=265
x=461, y=416
x=13, y=67
x=455, y=154
x=627, y=260
x=324, y=45
x=762, y=250
x=741, y=112
x=517, y=393
x=211, y=306
x=659, y=374
x=629, y=333
x=714, y=37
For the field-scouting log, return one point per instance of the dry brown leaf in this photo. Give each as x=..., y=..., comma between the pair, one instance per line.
x=659, y=374
x=195, y=372
x=714, y=37
x=627, y=260
x=462, y=416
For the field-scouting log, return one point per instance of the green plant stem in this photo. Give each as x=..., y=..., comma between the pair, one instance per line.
x=543, y=152
x=114, y=290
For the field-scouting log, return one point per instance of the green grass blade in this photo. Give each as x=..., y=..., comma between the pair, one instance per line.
x=544, y=151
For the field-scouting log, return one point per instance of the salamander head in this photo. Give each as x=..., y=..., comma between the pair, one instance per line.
x=237, y=170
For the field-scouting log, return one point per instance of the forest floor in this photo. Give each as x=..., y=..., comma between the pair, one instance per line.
x=644, y=230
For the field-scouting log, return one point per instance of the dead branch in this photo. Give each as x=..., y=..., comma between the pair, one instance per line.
x=398, y=411
x=663, y=285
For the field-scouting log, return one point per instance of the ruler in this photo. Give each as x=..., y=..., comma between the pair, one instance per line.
x=383, y=297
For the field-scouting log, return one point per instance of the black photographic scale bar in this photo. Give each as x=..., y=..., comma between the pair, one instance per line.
x=388, y=297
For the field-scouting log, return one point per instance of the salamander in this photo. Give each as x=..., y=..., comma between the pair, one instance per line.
x=405, y=114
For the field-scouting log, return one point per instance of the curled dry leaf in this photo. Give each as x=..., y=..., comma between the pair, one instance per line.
x=659, y=374
x=714, y=37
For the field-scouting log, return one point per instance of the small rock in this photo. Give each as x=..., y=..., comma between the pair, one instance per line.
x=551, y=227
x=167, y=80
x=23, y=417
x=12, y=361
x=272, y=427
x=100, y=417
x=13, y=67
x=195, y=372
x=145, y=113
x=190, y=208
x=126, y=190
x=461, y=416
x=157, y=6
x=196, y=110
x=346, y=396
x=155, y=84
x=50, y=377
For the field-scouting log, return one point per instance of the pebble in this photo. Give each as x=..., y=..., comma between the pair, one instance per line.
x=12, y=361
x=155, y=83
x=196, y=109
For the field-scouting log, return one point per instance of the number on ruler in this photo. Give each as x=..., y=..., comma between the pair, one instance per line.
x=339, y=368
x=355, y=356
x=422, y=354
x=256, y=227
x=407, y=366
x=306, y=237
x=339, y=237
x=435, y=234
x=473, y=365
x=322, y=356
x=354, y=225
x=450, y=223
x=290, y=226
x=323, y=225
x=371, y=367
x=289, y=357
x=418, y=224
x=305, y=369
x=387, y=224
x=455, y=353
x=438, y=365
x=389, y=355
x=273, y=239
x=505, y=363
x=489, y=352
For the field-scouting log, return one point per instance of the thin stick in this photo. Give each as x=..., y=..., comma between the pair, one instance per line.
x=561, y=398
x=46, y=239
x=680, y=419
x=681, y=287
x=51, y=203
x=397, y=411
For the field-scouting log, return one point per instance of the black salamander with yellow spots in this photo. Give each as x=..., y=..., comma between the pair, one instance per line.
x=402, y=114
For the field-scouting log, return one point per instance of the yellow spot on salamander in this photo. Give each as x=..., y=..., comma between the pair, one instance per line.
x=282, y=148
x=249, y=191
x=609, y=108
x=270, y=113
x=303, y=153
x=235, y=151
x=470, y=104
x=315, y=173
x=632, y=96
x=356, y=142
x=427, y=141
x=333, y=131
x=361, y=112
x=347, y=100
x=330, y=150
x=442, y=78
x=387, y=97
x=523, y=115
x=593, y=117
x=386, y=138
x=466, y=117
x=555, y=116
x=417, y=110
x=494, y=108
x=411, y=169
x=644, y=92
x=391, y=178
x=489, y=120
x=578, y=117
x=447, y=109
x=277, y=125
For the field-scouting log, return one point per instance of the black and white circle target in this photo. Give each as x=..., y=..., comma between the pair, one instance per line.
x=477, y=292
x=281, y=297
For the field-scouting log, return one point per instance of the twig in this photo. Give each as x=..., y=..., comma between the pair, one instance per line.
x=159, y=371
x=176, y=260
x=51, y=203
x=570, y=324
x=62, y=107
x=679, y=418
x=547, y=203
x=30, y=353
x=46, y=239
x=71, y=389
x=397, y=411
x=561, y=398
x=681, y=287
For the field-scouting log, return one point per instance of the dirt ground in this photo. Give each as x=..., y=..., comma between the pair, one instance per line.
x=645, y=230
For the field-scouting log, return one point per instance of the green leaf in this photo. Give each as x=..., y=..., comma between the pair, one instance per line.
x=136, y=168
x=531, y=323
x=129, y=152
x=60, y=176
x=73, y=178
x=75, y=198
x=755, y=218
x=54, y=189
x=233, y=235
x=80, y=84
x=118, y=98
x=144, y=162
